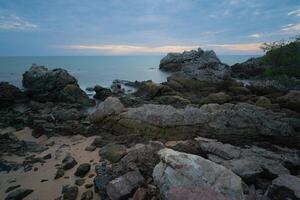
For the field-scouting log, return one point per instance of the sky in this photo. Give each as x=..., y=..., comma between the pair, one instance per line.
x=142, y=27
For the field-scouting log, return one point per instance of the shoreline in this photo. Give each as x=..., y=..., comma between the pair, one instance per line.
x=161, y=140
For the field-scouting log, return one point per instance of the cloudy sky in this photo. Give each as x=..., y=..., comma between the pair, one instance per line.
x=121, y=27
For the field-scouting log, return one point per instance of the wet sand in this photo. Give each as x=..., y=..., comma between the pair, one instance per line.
x=50, y=189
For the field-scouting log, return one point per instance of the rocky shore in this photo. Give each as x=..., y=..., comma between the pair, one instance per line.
x=203, y=134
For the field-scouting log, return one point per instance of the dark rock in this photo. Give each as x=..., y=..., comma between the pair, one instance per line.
x=40, y=78
x=102, y=93
x=18, y=194
x=112, y=152
x=68, y=162
x=291, y=100
x=104, y=175
x=11, y=144
x=285, y=187
x=218, y=98
x=187, y=146
x=151, y=90
x=140, y=194
x=83, y=169
x=53, y=85
x=34, y=147
x=59, y=173
x=263, y=102
x=251, y=68
x=124, y=185
x=70, y=192
x=73, y=94
x=12, y=188
x=88, y=195
x=10, y=95
x=89, y=185
x=64, y=114
x=7, y=166
x=98, y=142
x=176, y=101
x=142, y=157
x=90, y=148
x=48, y=156
x=44, y=180
x=50, y=144
x=116, y=87
x=80, y=182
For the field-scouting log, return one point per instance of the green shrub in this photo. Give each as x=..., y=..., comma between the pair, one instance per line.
x=284, y=59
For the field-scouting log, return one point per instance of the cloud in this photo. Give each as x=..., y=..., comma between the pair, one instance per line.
x=129, y=49
x=13, y=22
x=115, y=49
x=295, y=13
x=248, y=47
x=291, y=29
x=256, y=35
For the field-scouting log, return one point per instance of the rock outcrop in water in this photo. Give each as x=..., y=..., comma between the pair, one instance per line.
x=53, y=85
x=200, y=65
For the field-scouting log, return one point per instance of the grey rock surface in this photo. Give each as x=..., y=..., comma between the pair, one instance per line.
x=178, y=169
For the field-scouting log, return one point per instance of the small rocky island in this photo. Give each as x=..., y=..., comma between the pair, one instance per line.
x=212, y=131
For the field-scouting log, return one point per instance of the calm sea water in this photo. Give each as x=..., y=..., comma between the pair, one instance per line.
x=92, y=70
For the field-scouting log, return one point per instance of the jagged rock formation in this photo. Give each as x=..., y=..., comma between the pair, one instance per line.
x=53, y=85
x=200, y=65
x=211, y=119
x=252, y=162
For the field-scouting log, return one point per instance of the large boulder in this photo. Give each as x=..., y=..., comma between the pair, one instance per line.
x=285, y=187
x=142, y=157
x=242, y=119
x=40, y=78
x=10, y=94
x=111, y=106
x=251, y=163
x=200, y=65
x=178, y=169
x=122, y=186
x=113, y=152
x=53, y=85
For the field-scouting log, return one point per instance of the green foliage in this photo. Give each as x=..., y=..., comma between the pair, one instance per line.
x=283, y=57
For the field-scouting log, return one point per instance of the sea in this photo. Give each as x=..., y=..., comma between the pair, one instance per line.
x=96, y=70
